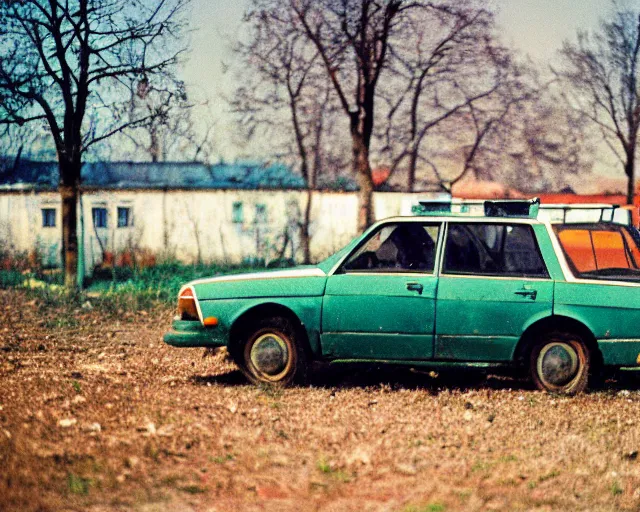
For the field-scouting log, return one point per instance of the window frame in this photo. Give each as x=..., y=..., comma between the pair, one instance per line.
x=340, y=270
x=496, y=275
x=129, y=217
x=261, y=218
x=237, y=207
x=45, y=216
x=94, y=209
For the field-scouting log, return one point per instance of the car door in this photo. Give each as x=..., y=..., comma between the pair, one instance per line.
x=380, y=304
x=493, y=284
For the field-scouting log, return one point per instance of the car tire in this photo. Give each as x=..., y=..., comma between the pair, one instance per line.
x=273, y=354
x=560, y=363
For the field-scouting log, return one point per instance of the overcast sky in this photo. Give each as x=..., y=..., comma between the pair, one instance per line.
x=534, y=27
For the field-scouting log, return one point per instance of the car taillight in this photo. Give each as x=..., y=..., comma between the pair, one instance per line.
x=187, y=309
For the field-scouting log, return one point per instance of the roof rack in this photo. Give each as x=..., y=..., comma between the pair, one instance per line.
x=606, y=212
x=517, y=208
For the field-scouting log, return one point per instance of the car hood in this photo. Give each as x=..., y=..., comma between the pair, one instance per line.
x=295, y=282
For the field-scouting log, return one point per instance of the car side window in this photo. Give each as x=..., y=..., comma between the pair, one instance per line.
x=401, y=247
x=508, y=250
x=602, y=252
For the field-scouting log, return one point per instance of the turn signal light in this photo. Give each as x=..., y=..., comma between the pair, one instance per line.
x=210, y=321
x=187, y=309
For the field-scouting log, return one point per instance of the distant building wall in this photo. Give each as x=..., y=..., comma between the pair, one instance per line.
x=226, y=226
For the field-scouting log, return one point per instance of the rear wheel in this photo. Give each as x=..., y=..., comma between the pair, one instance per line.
x=560, y=363
x=273, y=354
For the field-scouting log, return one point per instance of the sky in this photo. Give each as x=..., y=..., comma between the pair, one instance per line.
x=534, y=27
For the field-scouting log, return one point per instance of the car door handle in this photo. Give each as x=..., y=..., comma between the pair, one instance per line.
x=532, y=294
x=415, y=287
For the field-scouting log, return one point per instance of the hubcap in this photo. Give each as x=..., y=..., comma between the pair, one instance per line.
x=269, y=354
x=557, y=363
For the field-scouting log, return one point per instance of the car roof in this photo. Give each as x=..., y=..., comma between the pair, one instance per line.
x=461, y=218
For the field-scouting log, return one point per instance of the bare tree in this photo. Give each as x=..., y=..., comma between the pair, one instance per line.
x=284, y=94
x=169, y=132
x=24, y=142
x=453, y=84
x=430, y=64
x=603, y=70
x=65, y=61
x=536, y=145
x=354, y=40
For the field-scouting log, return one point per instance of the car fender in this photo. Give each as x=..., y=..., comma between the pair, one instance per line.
x=574, y=313
x=306, y=309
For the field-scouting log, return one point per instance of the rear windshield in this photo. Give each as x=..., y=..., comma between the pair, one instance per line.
x=601, y=251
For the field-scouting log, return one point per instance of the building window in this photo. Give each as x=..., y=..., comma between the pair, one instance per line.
x=100, y=217
x=48, y=217
x=261, y=213
x=124, y=217
x=238, y=213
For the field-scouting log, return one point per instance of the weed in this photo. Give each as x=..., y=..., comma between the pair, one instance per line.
x=429, y=507
x=152, y=451
x=61, y=322
x=193, y=489
x=76, y=386
x=271, y=392
x=77, y=484
x=548, y=476
x=323, y=465
x=480, y=466
x=616, y=489
x=222, y=459
x=120, y=290
x=341, y=476
x=171, y=480
x=11, y=278
x=143, y=288
x=463, y=494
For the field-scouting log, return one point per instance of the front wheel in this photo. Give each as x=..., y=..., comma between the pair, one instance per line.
x=560, y=363
x=273, y=354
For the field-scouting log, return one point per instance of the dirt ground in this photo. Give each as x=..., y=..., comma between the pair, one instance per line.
x=97, y=414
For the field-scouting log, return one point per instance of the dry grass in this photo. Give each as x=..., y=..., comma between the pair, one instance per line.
x=98, y=414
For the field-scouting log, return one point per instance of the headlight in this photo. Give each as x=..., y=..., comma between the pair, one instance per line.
x=187, y=309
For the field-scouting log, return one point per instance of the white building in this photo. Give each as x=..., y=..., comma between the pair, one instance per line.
x=227, y=213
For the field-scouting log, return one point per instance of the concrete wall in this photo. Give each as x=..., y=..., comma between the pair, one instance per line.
x=192, y=225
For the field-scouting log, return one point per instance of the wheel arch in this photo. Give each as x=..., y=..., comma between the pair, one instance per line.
x=242, y=324
x=556, y=323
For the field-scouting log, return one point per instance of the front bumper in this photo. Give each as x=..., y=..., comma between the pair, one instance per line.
x=188, y=333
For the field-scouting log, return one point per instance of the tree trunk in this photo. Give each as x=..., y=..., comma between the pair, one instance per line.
x=413, y=164
x=69, y=192
x=305, y=240
x=70, y=235
x=362, y=170
x=630, y=171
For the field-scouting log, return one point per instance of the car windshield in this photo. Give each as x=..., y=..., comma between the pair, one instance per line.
x=601, y=250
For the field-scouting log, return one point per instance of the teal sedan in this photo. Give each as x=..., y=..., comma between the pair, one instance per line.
x=499, y=290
